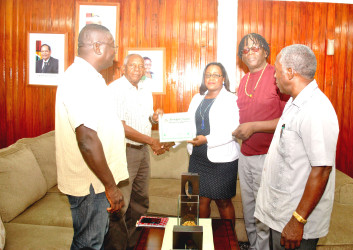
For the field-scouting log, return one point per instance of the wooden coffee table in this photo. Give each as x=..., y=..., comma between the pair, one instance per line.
x=224, y=236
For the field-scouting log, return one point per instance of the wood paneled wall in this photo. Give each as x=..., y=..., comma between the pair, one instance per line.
x=28, y=111
x=187, y=29
x=312, y=24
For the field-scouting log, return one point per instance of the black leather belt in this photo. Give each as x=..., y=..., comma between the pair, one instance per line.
x=128, y=145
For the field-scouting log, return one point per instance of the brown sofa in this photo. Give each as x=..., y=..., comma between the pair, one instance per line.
x=37, y=216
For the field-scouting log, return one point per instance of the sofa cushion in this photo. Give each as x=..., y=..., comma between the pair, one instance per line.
x=344, y=188
x=21, y=181
x=52, y=210
x=170, y=164
x=43, y=148
x=341, y=230
x=54, y=189
x=164, y=195
x=24, y=236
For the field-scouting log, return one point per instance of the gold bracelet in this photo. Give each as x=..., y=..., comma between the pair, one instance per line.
x=299, y=218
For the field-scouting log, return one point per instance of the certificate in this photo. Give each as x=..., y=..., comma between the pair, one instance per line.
x=176, y=127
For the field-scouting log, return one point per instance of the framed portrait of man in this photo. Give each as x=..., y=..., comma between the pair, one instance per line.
x=47, y=57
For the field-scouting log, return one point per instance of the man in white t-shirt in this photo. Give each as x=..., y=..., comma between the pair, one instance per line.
x=298, y=180
x=90, y=140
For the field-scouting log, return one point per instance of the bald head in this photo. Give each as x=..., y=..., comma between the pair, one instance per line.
x=129, y=56
x=96, y=46
x=91, y=33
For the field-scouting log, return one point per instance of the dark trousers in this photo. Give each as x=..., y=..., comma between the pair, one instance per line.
x=309, y=244
x=136, y=200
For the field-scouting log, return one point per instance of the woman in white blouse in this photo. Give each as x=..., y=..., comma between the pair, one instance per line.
x=214, y=152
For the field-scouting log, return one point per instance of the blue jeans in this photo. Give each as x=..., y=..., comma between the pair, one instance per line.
x=90, y=220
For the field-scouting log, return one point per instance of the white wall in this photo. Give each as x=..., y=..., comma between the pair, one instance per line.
x=227, y=34
x=227, y=37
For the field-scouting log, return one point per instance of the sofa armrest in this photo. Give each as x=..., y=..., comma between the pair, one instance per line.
x=344, y=188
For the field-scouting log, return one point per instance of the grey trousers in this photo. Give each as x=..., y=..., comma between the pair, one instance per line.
x=250, y=170
x=122, y=232
x=309, y=244
x=117, y=235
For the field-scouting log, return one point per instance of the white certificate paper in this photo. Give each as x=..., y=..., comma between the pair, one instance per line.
x=176, y=127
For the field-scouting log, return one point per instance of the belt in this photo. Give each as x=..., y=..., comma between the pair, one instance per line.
x=128, y=145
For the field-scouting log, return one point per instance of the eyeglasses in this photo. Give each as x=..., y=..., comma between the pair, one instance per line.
x=214, y=76
x=115, y=47
x=253, y=49
x=109, y=44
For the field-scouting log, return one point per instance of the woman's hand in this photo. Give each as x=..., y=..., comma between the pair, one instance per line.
x=199, y=140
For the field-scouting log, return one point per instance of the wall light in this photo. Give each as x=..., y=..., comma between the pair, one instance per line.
x=330, y=47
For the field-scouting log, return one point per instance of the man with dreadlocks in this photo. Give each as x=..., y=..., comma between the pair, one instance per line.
x=260, y=106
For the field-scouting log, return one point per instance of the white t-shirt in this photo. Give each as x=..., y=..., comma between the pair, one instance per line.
x=82, y=98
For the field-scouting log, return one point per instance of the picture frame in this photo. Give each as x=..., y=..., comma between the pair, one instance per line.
x=47, y=57
x=157, y=59
x=106, y=14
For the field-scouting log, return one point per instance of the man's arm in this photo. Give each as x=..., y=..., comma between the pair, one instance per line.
x=245, y=130
x=136, y=136
x=292, y=233
x=92, y=151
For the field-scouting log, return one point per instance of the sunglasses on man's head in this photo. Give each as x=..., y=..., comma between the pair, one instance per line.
x=253, y=49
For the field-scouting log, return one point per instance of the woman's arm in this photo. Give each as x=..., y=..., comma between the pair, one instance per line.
x=224, y=119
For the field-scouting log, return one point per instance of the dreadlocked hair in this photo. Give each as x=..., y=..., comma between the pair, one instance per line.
x=257, y=39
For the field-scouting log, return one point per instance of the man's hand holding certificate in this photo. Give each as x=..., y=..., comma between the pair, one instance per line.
x=176, y=127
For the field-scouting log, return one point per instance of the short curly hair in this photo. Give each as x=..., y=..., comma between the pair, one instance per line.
x=299, y=58
x=257, y=39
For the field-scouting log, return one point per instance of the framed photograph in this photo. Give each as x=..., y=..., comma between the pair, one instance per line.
x=47, y=58
x=154, y=66
x=106, y=14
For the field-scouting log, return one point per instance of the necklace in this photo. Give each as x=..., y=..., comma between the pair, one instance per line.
x=246, y=84
x=203, y=116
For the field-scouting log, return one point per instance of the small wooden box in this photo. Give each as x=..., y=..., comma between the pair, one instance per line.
x=194, y=180
x=187, y=237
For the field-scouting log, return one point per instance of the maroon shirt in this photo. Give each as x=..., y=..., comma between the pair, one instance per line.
x=266, y=103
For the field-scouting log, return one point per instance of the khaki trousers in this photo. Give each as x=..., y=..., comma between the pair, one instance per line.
x=250, y=170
